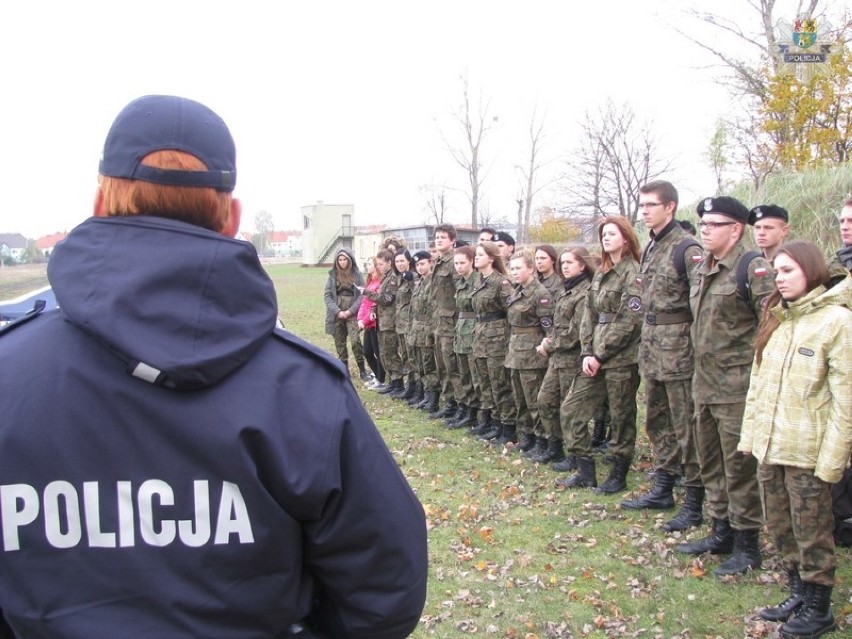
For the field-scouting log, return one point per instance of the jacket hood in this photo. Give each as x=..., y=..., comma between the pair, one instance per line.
x=836, y=292
x=348, y=254
x=183, y=306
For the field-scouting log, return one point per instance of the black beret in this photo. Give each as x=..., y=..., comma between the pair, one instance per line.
x=462, y=243
x=502, y=236
x=421, y=255
x=725, y=205
x=767, y=210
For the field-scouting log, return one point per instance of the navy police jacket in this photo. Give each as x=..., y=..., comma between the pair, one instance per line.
x=172, y=465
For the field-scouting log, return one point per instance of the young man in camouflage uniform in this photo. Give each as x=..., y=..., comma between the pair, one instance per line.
x=770, y=224
x=443, y=297
x=385, y=299
x=422, y=336
x=726, y=313
x=665, y=356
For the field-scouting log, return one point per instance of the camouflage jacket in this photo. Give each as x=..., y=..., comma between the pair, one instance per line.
x=530, y=315
x=466, y=322
x=552, y=283
x=563, y=348
x=422, y=318
x=403, y=305
x=385, y=299
x=443, y=294
x=665, y=350
x=610, y=328
x=725, y=326
x=491, y=332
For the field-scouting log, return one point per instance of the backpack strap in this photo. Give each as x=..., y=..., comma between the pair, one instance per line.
x=743, y=287
x=679, y=256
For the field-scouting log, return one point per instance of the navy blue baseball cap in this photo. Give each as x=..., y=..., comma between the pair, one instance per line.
x=166, y=122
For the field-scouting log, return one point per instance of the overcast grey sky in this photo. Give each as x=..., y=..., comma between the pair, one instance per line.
x=342, y=101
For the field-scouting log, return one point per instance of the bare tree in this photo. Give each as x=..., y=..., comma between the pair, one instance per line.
x=618, y=153
x=435, y=201
x=530, y=174
x=475, y=128
x=264, y=227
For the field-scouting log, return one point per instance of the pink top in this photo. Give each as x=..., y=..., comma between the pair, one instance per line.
x=366, y=313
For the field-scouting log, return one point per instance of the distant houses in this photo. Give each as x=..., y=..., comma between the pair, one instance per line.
x=13, y=247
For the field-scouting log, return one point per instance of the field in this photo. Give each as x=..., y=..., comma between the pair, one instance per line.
x=512, y=557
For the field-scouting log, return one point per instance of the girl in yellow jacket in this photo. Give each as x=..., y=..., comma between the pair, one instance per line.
x=798, y=424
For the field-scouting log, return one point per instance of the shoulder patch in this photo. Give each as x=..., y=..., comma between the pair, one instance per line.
x=761, y=271
x=546, y=322
x=634, y=303
x=697, y=258
x=544, y=301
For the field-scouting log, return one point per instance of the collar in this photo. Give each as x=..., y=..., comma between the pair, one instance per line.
x=656, y=237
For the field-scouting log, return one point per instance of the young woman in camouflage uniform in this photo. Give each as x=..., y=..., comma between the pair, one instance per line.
x=562, y=351
x=463, y=340
x=609, y=338
x=490, y=341
x=385, y=299
x=798, y=424
x=547, y=269
x=422, y=335
x=342, y=300
x=403, y=268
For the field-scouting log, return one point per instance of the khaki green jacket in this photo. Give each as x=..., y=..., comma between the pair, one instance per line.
x=799, y=405
x=665, y=349
x=529, y=312
x=491, y=338
x=563, y=348
x=466, y=322
x=422, y=316
x=403, y=305
x=443, y=294
x=385, y=299
x=610, y=328
x=724, y=326
x=552, y=283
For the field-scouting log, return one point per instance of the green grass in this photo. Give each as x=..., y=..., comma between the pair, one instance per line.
x=512, y=557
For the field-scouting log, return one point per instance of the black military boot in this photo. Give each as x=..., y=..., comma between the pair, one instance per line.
x=400, y=392
x=393, y=385
x=362, y=371
x=483, y=424
x=526, y=442
x=815, y=617
x=419, y=394
x=538, y=448
x=720, y=541
x=784, y=610
x=449, y=409
x=469, y=420
x=430, y=402
x=617, y=480
x=599, y=437
x=461, y=414
x=690, y=514
x=495, y=429
x=566, y=465
x=746, y=554
x=658, y=498
x=410, y=388
x=508, y=434
x=553, y=452
x=586, y=476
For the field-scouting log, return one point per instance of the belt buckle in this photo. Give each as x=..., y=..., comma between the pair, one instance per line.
x=651, y=319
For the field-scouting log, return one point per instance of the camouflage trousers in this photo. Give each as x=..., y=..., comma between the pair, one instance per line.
x=729, y=477
x=670, y=424
x=448, y=367
x=526, y=383
x=424, y=362
x=468, y=381
x=496, y=388
x=389, y=353
x=798, y=511
x=404, y=355
x=554, y=389
x=616, y=386
x=348, y=329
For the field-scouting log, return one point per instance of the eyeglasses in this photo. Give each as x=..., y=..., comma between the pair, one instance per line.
x=712, y=226
x=648, y=205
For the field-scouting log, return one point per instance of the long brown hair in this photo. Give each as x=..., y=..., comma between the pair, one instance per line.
x=809, y=258
x=374, y=274
x=582, y=254
x=347, y=277
x=207, y=208
x=626, y=232
x=492, y=250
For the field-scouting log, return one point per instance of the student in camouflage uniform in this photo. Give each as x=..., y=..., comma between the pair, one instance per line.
x=529, y=312
x=342, y=301
x=609, y=338
x=770, y=228
x=723, y=330
x=490, y=341
x=405, y=276
x=463, y=342
x=842, y=260
x=798, y=425
x=385, y=299
x=562, y=349
x=443, y=293
x=422, y=335
x=665, y=356
x=547, y=269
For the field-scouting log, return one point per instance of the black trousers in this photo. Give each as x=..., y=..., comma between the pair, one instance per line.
x=371, y=353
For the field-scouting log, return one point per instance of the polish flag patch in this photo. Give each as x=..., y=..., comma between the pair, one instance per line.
x=760, y=271
x=697, y=258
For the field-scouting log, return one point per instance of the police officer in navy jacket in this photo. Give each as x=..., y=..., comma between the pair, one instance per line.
x=171, y=463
